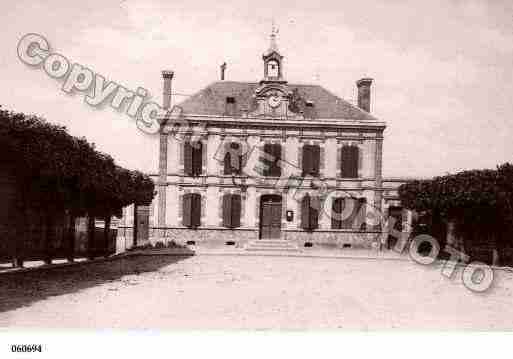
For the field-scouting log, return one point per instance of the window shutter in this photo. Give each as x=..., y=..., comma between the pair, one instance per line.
x=360, y=161
x=346, y=221
x=305, y=212
x=354, y=161
x=345, y=157
x=315, y=205
x=362, y=214
x=306, y=160
x=236, y=210
x=276, y=166
x=203, y=157
x=187, y=209
x=195, y=210
x=227, y=210
x=349, y=221
x=266, y=163
x=336, y=210
x=187, y=151
x=197, y=158
x=227, y=164
x=315, y=159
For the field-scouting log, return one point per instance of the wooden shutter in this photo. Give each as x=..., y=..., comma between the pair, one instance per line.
x=345, y=158
x=266, y=163
x=227, y=210
x=315, y=206
x=336, y=210
x=349, y=221
x=355, y=155
x=315, y=159
x=187, y=164
x=187, y=209
x=307, y=160
x=195, y=210
x=362, y=214
x=276, y=167
x=197, y=158
x=236, y=210
x=305, y=210
x=227, y=163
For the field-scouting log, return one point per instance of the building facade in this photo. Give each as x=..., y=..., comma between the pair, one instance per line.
x=244, y=161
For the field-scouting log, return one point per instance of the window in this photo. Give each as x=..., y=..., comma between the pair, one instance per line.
x=231, y=210
x=271, y=160
x=310, y=207
x=273, y=69
x=193, y=161
x=192, y=210
x=311, y=160
x=348, y=213
x=309, y=111
x=230, y=106
x=349, y=161
x=233, y=159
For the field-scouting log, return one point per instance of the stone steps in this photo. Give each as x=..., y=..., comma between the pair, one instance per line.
x=271, y=245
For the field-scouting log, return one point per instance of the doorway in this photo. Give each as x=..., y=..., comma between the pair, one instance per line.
x=270, y=216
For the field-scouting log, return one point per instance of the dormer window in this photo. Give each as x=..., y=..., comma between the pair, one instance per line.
x=230, y=106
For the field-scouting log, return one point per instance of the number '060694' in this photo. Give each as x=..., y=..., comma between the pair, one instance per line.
x=26, y=348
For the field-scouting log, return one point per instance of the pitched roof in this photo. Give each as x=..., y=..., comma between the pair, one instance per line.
x=212, y=101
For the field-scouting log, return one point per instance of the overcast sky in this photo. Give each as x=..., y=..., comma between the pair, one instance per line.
x=443, y=70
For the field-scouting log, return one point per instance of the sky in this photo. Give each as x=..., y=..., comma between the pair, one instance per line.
x=442, y=70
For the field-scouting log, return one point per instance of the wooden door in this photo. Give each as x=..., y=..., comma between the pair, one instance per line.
x=270, y=217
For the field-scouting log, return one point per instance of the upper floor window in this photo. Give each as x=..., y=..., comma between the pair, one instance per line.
x=193, y=158
x=271, y=160
x=233, y=159
x=349, y=161
x=311, y=160
x=192, y=210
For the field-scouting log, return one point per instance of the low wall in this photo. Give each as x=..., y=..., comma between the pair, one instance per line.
x=217, y=237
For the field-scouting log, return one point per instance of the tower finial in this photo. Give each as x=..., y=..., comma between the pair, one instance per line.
x=274, y=31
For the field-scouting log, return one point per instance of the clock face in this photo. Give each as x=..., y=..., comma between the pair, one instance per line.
x=274, y=101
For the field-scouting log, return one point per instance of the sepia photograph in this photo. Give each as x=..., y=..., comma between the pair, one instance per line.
x=230, y=176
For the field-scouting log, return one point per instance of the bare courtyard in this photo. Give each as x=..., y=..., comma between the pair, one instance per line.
x=252, y=292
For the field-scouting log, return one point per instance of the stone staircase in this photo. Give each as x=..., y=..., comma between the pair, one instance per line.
x=271, y=245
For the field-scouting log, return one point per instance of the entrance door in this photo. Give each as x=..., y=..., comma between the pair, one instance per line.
x=270, y=217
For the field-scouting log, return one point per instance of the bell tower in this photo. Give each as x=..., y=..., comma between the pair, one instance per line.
x=273, y=61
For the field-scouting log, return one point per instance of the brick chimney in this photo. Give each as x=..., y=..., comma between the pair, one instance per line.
x=223, y=69
x=166, y=95
x=363, y=86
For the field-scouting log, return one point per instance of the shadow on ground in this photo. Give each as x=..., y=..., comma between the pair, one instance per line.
x=20, y=289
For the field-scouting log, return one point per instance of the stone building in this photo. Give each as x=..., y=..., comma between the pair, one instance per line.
x=243, y=161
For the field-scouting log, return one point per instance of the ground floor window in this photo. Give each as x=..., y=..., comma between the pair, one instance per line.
x=310, y=206
x=231, y=210
x=348, y=213
x=192, y=210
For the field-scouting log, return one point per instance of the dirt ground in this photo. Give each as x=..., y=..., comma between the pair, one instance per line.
x=252, y=292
